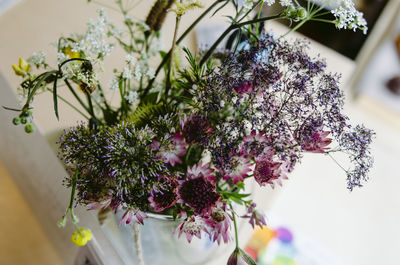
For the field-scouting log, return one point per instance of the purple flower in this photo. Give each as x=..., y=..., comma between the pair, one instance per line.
x=197, y=192
x=163, y=197
x=267, y=171
x=196, y=129
x=255, y=218
x=172, y=149
x=191, y=227
x=239, y=168
x=218, y=223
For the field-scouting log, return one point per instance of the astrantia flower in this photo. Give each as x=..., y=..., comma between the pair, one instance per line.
x=170, y=151
x=164, y=197
x=103, y=204
x=198, y=193
x=245, y=87
x=238, y=169
x=201, y=170
x=312, y=138
x=133, y=215
x=254, y=144
x=267, y=171
x=218, y=223
x=191, y=227
x=196, y=129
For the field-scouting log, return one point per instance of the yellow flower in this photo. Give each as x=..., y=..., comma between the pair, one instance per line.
x=68, y=51
x=182, y=8
x=22, y=68
x=81, y=236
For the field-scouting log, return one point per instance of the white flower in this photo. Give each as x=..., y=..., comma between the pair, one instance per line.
x=127, y=74
x=130, y=60
x=151, y=73
x=347, y=16
x=131, y=97
x=114, y=84
x=286, y=2
x=38, y=58
x=269, y=2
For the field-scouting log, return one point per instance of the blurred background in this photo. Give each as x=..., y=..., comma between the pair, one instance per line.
x=329, y=224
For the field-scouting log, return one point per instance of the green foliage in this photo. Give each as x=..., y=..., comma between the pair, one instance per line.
x=146, y=113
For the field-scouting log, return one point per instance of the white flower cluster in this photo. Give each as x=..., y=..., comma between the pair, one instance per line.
x=347, y=16
x=38, y=59
x=132, y=97
x=93, y=43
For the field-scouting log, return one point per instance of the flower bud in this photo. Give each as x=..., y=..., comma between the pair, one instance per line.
x=16, y=121
x=29, y=128
x=239, y=257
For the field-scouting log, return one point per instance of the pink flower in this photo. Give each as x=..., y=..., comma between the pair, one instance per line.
x=171, y=151
x=318, y=142
x=238, y=169
x=267, y=171
x=201, y=170
x=164, y=198
x=197, y=191
x=133, y=215
x=191, y=227
x=254, y=144
x=218, y=223
x=245, y=88
x=196, y=129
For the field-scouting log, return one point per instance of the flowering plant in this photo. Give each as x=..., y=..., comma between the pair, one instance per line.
x=186, y=144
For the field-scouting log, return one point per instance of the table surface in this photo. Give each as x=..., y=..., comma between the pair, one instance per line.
x=361, y=227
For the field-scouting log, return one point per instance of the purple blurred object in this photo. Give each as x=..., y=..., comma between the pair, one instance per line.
x=284, y=235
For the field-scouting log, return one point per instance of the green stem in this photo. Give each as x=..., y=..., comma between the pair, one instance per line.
x=76, y=96
x=69, y=104
x=171, y=59
x=235, y=226
x=229, y=29
x=180, y=39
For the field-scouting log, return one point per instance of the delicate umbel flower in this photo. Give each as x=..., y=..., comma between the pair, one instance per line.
x=239, y=168
x=218, y=223
x=81, y=236
x=22, y=68
x=191, y=227
x=197, y=192
x=255, y=217
x=240, y=257
x=38, y=59
x=170, y=151
x=347, y=16
x=133, y=215
x=267, y=171
x=196, y=129
x=163, y=197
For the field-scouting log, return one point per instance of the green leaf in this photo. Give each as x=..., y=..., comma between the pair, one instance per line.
x=150, y=98
x=55, y=100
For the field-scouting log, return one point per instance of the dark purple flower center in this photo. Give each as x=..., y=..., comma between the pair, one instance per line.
x=164, y=199
x=197, y=130
x=264, y=171
x=199, y=194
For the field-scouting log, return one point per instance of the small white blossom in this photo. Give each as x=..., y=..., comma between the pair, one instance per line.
x=131, y=97
x=347, y=16
x=269, y=2
x=127, y=74
x=151, y=73
x=130, y=60
x=38, y=59
x=114, y=84
x=286, y=2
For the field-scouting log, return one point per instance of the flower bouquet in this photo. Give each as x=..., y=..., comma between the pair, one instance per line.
x=184, y=144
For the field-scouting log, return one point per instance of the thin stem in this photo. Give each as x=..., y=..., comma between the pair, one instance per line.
x=69, y=104
x=229, y=29
x=76, y=96
x=235, y=226
x=171, y=59
x=138, y=244
x=180, y=39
